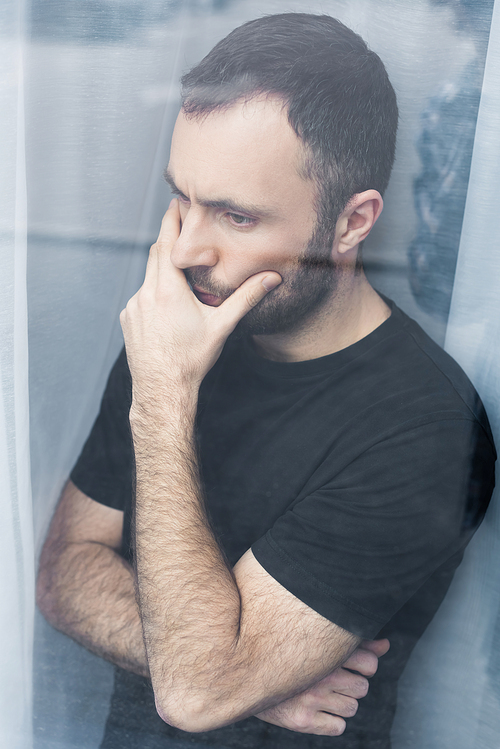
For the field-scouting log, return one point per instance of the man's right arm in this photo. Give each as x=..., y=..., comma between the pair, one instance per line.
x=85, y=588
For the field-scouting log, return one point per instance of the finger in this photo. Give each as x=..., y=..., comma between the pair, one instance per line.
x=247, y=296
x=363, y=661
x=152, y=265
x=324, y=724
x=320, y=723
x=331, y=725
x=304, y=720
x=163, y=245
x=171, y=219
x=343, y=682
x=379, y=647
x=169, y=230
x=333, y=702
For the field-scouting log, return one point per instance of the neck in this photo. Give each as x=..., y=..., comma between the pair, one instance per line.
x=354, y=310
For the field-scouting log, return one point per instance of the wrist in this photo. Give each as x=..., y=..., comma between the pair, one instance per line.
x=169, y=418
x=163, y=406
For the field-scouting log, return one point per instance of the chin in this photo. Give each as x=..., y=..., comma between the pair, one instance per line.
x=276, y=314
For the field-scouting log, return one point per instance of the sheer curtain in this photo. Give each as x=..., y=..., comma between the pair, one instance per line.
x=451, y=691
x=16, y=534
x=89, y=94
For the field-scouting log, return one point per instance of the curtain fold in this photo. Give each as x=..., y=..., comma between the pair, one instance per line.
x=16, y=534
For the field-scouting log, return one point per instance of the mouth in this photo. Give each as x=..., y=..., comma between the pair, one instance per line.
x=206, y=298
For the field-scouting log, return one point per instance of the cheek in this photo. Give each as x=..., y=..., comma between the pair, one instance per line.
x=238, y=264
x=278, y=251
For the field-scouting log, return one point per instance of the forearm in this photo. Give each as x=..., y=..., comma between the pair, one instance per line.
x=190, y=604
x=86, y=590
x=205, y=637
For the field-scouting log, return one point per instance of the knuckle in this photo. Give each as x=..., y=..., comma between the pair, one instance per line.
x=351, y=707
x=252, y=298
x=161, y=244
x=337, y=726
x=310, y=698
x=336, y=679
x=301, y=720
x=371, y=664
x=254, y=294
x=133, y=304
x=365, y=662
x=361, y=687
x=129, y=308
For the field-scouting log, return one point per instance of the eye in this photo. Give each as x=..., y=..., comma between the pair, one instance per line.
x=237, y=218
x=182, y=199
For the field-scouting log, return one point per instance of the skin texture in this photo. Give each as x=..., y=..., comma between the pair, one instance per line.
x=214, y=648
x=86, y=590
x=249, y=159
x=281, y=220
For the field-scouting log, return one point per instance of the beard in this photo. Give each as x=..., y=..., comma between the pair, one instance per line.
x=302, y=293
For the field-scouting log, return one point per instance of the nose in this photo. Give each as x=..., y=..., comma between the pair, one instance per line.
x=195, y=245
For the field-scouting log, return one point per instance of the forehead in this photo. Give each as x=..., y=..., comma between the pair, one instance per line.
x=248, y=150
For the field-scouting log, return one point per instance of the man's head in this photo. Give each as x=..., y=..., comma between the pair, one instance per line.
x=337, y=95
x=282, y=124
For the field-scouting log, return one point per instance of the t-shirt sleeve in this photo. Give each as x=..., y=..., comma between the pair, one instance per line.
x=358, y=547
x=104, y=471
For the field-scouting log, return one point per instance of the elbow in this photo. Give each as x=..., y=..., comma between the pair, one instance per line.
x=46, y=596
x=52, y=591
x=189, y=714
x=186, y=719
x=43, y=593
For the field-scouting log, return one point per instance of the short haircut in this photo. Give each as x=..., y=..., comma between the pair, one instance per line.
x=339, y=99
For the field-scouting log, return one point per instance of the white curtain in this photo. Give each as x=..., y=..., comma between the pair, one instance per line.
x=89, y=94
x=16, y=531
x=451, y=692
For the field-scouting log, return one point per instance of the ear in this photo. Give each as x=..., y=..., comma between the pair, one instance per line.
x=357, y=219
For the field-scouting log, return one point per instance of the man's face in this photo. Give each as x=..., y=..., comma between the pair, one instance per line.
x=245, y=209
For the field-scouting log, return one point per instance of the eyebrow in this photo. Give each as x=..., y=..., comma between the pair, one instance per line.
x=224, y=203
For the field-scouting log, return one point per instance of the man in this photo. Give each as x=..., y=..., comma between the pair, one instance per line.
x=309, y=466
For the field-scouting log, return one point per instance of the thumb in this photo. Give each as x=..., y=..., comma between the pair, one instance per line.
x=246, y=297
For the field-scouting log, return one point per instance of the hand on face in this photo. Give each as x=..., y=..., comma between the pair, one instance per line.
x=173, y=339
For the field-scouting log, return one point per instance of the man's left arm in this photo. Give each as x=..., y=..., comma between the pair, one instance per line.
x=222, y=644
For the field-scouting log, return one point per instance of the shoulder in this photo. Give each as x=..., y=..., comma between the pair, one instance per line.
x=420, y=379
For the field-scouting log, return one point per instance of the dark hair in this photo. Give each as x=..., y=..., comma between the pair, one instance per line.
x=339, y=99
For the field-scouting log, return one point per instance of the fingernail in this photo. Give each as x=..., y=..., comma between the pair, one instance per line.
x=172, y=202
x=270, y=282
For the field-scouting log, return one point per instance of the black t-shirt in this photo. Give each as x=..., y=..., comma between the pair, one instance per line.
x=357, y=479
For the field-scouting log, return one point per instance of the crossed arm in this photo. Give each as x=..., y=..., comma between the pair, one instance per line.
x=222, y=644
x=86, y=590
